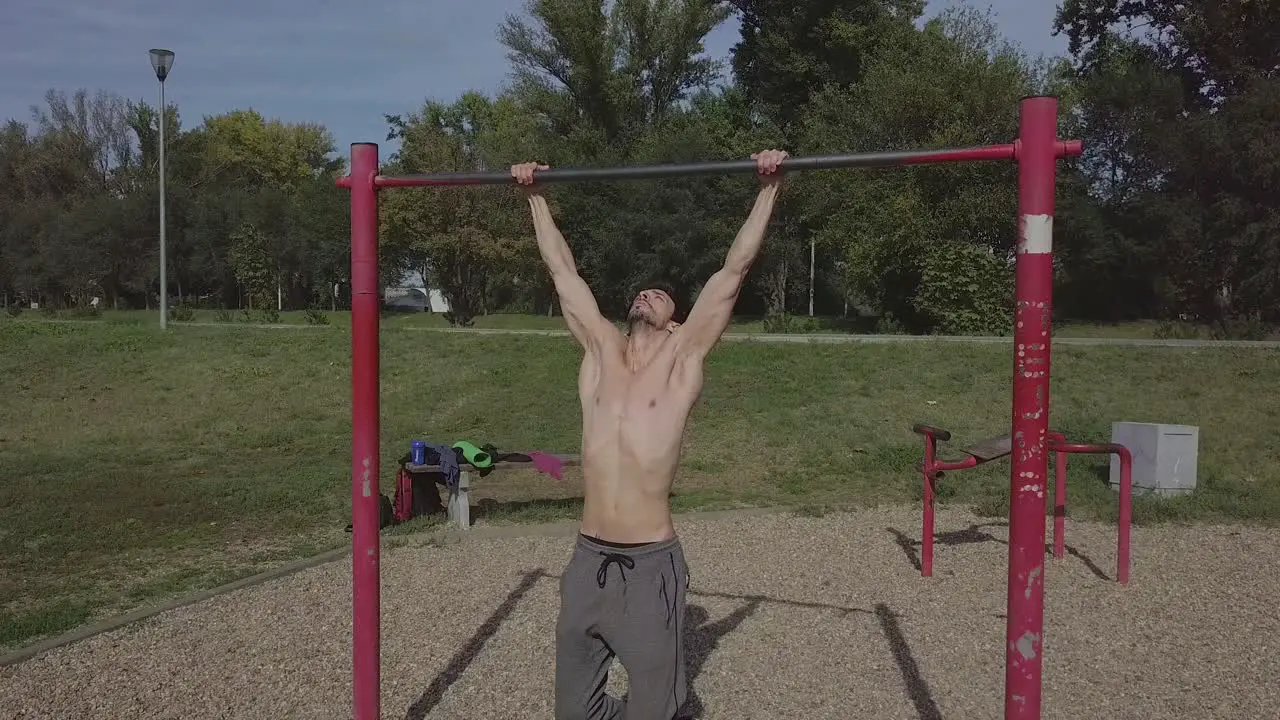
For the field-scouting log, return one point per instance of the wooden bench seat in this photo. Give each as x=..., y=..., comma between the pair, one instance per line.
x=459, y=506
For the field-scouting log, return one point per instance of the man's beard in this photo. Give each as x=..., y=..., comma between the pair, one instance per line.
x=637, y=317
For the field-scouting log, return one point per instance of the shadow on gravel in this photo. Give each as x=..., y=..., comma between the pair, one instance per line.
x=467, y=654
x=975, y=534
x=917, y=688
x=843, y=610
x=701, y=639
x=541, y=509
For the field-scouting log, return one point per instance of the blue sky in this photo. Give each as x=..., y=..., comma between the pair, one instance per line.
x=343, y=64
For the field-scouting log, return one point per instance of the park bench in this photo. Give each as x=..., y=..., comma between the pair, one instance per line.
x=999, y=446
x=417, y=495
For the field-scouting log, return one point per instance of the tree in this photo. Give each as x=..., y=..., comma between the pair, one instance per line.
x=457, y=238
x=1180, y=103
x=319, y=229
x=245, y=149
x=256, y=172
x=955, y=83
x=65, y=236
x=677, y=229
x=250, y=260
x=620, y=84
x=90, y=136
x=597, y=73
x=1215, y=47
x=789, y=51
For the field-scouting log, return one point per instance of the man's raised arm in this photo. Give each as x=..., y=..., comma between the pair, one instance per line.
x=579, y=306
x=713, y=310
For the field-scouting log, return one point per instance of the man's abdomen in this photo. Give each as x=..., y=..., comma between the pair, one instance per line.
x=625, y=497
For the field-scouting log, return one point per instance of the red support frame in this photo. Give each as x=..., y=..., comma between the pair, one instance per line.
x=1036, y=151
x=366, y=632
x=1059, y=445
x=932, y=470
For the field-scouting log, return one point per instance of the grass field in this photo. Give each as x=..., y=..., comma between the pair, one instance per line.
x=137, y=465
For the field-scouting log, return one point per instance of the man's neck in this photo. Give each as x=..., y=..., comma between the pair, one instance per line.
x=642, y=343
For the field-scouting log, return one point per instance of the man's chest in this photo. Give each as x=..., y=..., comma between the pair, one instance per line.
x=643, y=397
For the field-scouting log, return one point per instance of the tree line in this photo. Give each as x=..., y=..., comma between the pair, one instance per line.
x=1170, y=213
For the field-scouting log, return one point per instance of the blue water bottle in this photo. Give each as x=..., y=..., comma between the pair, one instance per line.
x=418, y=452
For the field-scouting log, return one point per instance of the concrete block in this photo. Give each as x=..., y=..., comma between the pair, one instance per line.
x=1164, y=456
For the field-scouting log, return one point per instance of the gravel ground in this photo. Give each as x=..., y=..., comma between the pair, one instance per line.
x=790, y=616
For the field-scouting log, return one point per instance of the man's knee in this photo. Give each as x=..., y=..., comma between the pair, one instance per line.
x=658, y=694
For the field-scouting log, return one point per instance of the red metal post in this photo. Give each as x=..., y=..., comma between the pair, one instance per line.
x=926, y=533
x=931, y=471
x=1126, y=513
x=1061, y=447
x=1059, y=503
x=1037, y=159
x=366, y=631
x=1059, y=497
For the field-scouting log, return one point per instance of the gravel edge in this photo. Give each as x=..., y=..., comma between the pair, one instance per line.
x=437, y=535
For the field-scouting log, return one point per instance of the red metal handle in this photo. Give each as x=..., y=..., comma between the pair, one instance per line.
x=943, y=435
x=1057, y=444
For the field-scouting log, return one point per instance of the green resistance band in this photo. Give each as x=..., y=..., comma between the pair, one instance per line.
x=474, y=455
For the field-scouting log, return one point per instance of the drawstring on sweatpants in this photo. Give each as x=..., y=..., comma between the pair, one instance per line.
x=602, y=574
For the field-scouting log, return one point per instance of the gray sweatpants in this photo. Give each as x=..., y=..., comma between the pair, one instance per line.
x=629, y=603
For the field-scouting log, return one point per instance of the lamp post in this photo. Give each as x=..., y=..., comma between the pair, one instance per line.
x=161, y=61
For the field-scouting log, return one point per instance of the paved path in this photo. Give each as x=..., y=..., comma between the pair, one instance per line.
x=841, y=339
x=817, y=338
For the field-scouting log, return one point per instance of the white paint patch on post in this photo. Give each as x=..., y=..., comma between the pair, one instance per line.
x=1037, y=235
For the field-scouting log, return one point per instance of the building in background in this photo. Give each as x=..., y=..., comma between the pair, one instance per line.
x=412, y=293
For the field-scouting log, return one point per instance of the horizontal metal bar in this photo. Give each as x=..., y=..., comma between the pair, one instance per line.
x=641, y=172
x=1086, y=448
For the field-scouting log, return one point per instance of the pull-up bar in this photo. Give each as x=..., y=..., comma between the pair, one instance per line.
x=647, y=172
x=1036, y=152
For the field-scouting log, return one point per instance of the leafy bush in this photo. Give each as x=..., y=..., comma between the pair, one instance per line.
x=966, y=290
x=786, y=323
x=1176, y=330
x=316, y=316
x=265, y=316
x=889, y=324
x=778, y=323
x=13, y=310
x=224, y=315
x=182, y=313
x=1241, y=328
x=460, y=319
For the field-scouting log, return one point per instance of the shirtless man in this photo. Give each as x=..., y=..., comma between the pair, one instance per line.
x=623, y=592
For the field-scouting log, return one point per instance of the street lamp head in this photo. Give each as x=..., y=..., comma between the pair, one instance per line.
x=161, y=61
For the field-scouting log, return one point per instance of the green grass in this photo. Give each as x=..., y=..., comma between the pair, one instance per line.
x=139, y=465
